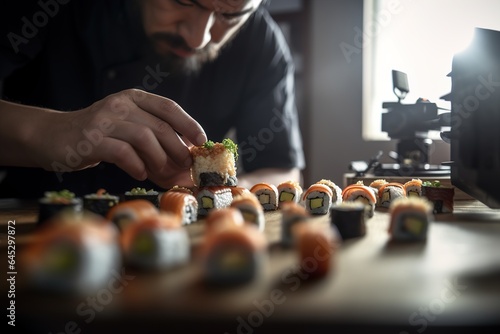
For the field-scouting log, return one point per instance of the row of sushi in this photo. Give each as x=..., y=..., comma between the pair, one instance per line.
x=79, y=252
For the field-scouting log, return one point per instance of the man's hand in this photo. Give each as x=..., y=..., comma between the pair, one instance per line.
x=138, y=131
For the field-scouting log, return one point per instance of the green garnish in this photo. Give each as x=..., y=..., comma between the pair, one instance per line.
x=209, y=144
x=435, y=184
x=63, y=196
x=140, y=191
x=231, y=147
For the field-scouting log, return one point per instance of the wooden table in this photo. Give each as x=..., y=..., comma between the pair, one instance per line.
x=452, y=280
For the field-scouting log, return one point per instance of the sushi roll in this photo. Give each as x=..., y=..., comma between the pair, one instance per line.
x=389, y=192
x=316, y=248
x=100, y=202
x=292, y=214
x=410, y=218
x=375, y=186
x=72, y=254
x=413, y=188
x=233, y=255
x=441, y=197
x=214, y=164
x=141, y=193
x=336, y=191
x=130, y=212
x=181, y=204
x=251, y=210
x=222, y=218
x=213, y=198
x=349, y=219
x=267, y=194
x=236, y=191
x=360, y=193
x=289, y=191
x=318, y=199
x=54, y=202
x=156, y=242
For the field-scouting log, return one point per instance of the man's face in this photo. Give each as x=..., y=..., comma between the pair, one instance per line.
x=190, y=32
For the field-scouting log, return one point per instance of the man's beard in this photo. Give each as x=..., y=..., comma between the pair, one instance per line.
x=179, y=65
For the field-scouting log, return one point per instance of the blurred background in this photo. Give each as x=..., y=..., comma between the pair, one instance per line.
x=344, y=52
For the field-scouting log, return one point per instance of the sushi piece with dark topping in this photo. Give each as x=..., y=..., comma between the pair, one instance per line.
x=214, y=164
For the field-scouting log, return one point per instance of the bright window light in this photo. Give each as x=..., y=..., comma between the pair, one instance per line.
x=420, y=39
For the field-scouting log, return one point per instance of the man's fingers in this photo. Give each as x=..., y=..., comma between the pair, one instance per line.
x=123, y=155
x=153, y=148
x=170, y=112
x=144, y=142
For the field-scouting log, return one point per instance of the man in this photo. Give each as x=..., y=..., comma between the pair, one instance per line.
x=144, y=80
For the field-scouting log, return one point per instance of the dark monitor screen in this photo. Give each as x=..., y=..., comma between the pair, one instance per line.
x=475, y=118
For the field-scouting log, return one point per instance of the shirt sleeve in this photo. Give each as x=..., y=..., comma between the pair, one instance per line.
x=267, y=128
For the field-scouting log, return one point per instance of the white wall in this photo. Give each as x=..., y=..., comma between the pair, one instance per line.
x=335, y=95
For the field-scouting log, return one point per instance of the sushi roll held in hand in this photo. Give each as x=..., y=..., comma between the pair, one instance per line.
x=71, y=253
x=410, y=218
x=54, y=202
x=156, y=242
x=251, y=210
x=360, y=193
x=182, y=203
x=267, y=194
x=130, y=212
x=389, y=192
x=214, y=164
x=289, y=191
x=233, y=255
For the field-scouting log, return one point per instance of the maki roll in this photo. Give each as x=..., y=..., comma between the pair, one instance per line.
x=130, y=212
x=318, y=199
x=410, y=218
x=213, y=198
x=360, y=193
x=267, y=194
x=336, y=191
x=289, y=191
x=251, y=210
x=222, y=218
x=316, y=247
x=376, y=185
x=389, y=192
x=54, y=202
x=100, y=202
x=349, y=219
x=292, y=214
x=181, y=204
x=413, y=188
x=72, y=253
x=233, y=255
x=156, y=242
x=441, y=197
x=236, y=191
x=214, y=164
x=141, y=193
